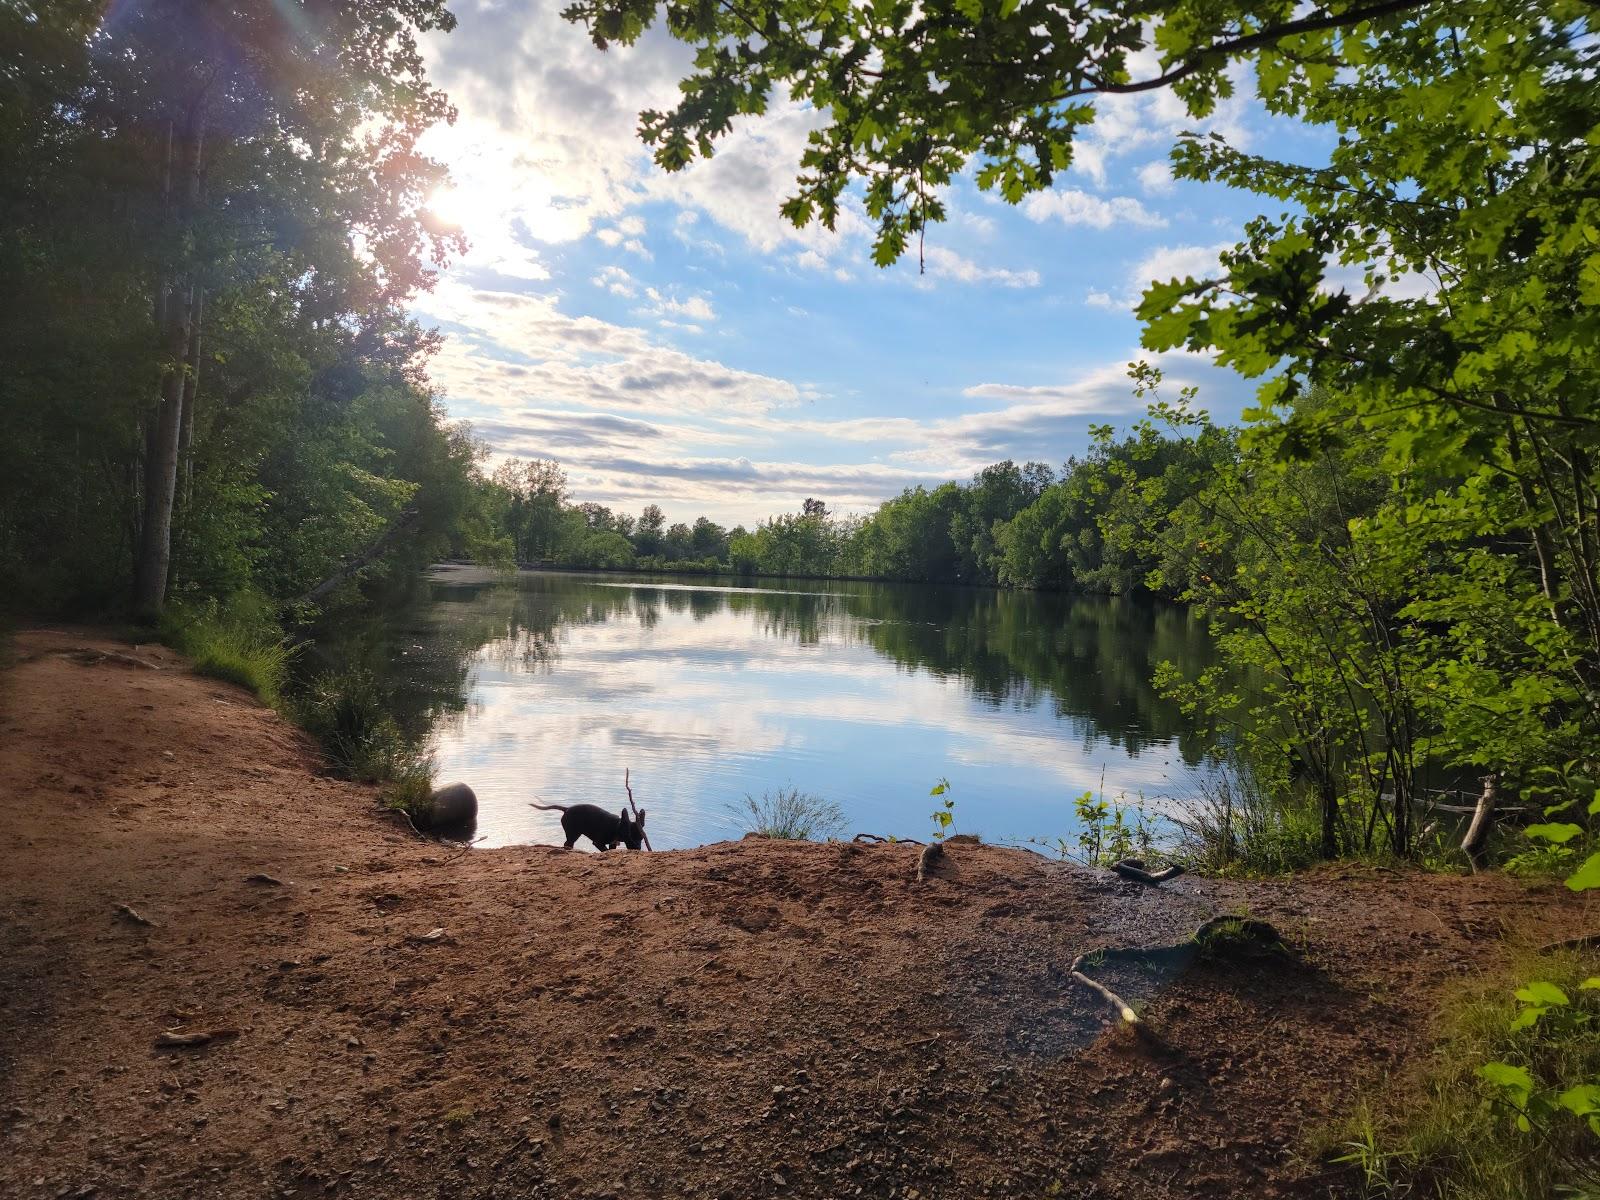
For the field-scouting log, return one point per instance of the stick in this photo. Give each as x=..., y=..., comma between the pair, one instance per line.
x=1105, y=993
x=629, y=786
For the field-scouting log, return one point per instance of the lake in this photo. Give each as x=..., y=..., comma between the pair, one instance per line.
x=545, y=686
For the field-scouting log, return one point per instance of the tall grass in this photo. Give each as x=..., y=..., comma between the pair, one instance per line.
x=1233, y=822
x=790, y=814
x=236, y=640
x=1451, y=1133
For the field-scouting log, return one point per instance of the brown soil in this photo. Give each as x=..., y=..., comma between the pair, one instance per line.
x=745, y=1019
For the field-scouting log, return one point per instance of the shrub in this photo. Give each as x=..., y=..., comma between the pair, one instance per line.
x=348, y=712
x=789, y=814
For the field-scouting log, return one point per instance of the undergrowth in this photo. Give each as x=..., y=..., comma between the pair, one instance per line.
x=790, y=814
x=1495, y=1115
x=237, y=640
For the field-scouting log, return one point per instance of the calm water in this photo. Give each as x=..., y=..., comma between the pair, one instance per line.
x=549, y=686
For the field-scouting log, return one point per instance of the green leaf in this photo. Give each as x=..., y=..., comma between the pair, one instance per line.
x=1527, y=1018
x=1590, y=984
x=1586, y=876
x=1581, y=1100
x=1507, y=1077
x=1559, y=832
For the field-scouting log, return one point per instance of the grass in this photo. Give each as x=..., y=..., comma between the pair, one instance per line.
x=1453, y=1135
x=1232, y=824
x=237, y=641
x=790, y=814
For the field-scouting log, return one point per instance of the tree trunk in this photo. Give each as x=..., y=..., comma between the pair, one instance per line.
x=191, y=383
x=1482, y=822
x=180, y=308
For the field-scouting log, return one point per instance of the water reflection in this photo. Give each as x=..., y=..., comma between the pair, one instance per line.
x=864, y=693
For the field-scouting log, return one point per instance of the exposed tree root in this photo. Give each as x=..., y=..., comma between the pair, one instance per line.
x=1215, y=935
x=1134, y=869
x=874, y=839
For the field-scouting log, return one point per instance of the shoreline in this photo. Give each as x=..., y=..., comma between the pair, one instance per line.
x=390, y=1018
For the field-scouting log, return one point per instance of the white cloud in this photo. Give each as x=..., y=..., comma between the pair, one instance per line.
x=1156, y=178
x=696, y=308
x=943, y=263
x=617, y=281
x=1075, y=207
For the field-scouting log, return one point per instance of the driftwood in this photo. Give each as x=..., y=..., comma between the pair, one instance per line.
x=1178, y=955
x=931, y=856
x=1482, y=821
x=399, y=525
x=628, y=786
x=1134, y=869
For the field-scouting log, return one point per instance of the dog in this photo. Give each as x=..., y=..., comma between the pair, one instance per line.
x=604, y=829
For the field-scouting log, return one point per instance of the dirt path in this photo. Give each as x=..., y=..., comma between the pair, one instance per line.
x=746, y=1019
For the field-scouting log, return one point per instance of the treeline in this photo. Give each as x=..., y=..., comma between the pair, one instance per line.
x=214, y=220
x=1016, y=526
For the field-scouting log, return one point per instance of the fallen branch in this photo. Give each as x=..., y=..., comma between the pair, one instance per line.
x=88, y=656
x=1482, y=821
x=878, y=840
x=1134, y=869
x=398, y=526
x=173, y=1040
x=629, y=787
x=1179, y=954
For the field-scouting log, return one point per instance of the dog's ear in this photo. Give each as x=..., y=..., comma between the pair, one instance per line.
x=622, y=815
x=640, y=820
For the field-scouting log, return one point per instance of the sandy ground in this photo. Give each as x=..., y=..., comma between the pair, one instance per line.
x=746, y=1019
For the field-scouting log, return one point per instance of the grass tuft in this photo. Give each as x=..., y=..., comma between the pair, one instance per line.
x=1233, y=824
x=790, y=814
x=236, y=641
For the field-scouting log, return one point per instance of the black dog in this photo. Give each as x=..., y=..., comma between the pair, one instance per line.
x=599, y=826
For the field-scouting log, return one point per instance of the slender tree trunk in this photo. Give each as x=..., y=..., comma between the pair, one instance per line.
x=161, y=450
x=191, y=384
x=1482, y=822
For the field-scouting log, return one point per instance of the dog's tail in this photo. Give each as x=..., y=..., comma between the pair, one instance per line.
x=550, y=807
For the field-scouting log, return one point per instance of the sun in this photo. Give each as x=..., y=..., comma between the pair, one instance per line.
x=453, y=206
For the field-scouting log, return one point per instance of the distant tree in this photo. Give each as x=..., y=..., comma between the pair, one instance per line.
x=817, y=509
x=648, y=532
x=597, y=516
x=710, y=539
x=678, y=542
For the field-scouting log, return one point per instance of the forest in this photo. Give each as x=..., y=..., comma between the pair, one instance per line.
x=218, y=408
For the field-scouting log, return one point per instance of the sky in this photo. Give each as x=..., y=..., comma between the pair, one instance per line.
x=670, y=339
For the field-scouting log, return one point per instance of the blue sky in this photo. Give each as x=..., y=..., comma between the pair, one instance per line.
x=670, y=339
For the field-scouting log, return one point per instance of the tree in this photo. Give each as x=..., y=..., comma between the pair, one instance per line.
x=709, y=539
x=648, y=532
x=201, y=173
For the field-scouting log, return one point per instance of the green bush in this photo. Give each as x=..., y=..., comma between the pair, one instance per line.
x=789, y=814
x=348, y=712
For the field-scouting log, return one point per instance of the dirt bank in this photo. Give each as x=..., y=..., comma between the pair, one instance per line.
x=749, y=1019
